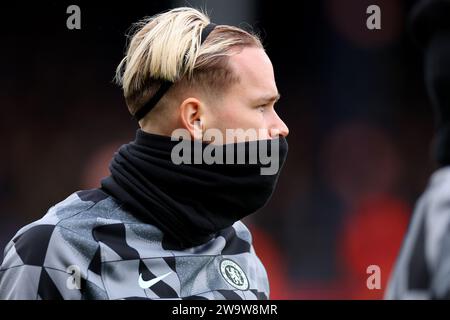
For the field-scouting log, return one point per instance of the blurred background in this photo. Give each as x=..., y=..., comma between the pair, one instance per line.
x=360, y=124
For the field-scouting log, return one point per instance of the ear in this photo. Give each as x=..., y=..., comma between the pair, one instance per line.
x=191, y=116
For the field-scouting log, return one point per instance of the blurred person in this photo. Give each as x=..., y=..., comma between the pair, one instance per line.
x=157, y=229
x=422, y=269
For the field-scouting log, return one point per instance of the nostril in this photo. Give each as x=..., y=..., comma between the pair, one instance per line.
x=274, y=133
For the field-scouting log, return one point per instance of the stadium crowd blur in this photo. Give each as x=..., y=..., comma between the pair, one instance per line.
x=360, y=128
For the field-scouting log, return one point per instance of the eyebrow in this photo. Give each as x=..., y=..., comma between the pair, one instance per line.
x=268, y=99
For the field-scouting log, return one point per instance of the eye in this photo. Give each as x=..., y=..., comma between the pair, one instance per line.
x=262, y=108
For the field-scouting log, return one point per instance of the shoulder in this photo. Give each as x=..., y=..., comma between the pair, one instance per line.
x=43, y=254
x=238, y=239
x=434, y=206
x=70, y=227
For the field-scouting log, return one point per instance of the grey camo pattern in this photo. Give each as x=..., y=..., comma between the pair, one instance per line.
x=422, y=270
x=112, y=248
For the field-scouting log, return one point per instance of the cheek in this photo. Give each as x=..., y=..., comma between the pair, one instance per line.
x=222, y=120
x=243, y=117
x=227, y=117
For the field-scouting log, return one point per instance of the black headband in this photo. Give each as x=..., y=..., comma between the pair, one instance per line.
x=165, y=85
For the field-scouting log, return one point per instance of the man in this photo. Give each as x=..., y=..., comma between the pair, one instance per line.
x=166, y=223
x=423, y=267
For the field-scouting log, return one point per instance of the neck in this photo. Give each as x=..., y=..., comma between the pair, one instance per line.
x=154, y=127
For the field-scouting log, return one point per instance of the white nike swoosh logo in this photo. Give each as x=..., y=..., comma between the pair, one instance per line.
x=147, y=284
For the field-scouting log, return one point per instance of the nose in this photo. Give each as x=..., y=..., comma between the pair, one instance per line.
x=279, y=128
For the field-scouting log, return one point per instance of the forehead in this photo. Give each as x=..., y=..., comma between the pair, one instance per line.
x=255, y=71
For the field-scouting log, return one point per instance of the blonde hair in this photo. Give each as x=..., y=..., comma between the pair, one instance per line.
x=167, y=47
